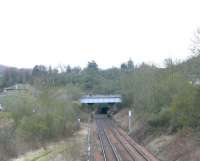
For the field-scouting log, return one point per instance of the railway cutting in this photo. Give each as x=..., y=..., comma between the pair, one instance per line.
x=111, y=143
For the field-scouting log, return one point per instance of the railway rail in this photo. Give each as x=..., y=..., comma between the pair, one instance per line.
x=108, y=150
x=116, y=145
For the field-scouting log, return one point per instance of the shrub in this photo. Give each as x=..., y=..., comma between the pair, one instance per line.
x=33, y=128
x=161, y=119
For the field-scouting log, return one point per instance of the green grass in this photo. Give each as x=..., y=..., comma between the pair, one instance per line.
x=38, y=156
x=5, y=115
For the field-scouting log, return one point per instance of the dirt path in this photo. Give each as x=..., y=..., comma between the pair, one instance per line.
x=71, y=149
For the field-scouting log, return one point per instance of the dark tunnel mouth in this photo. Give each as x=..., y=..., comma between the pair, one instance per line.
x=102, y=110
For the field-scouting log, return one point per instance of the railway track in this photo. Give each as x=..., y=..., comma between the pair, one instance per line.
x=140, y=150
x=108, y=149
x=117, y=145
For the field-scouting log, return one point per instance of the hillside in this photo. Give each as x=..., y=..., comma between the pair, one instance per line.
x=181, y=146
x=166, y=107
x=10, y=76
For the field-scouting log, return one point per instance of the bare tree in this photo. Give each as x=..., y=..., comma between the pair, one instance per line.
x=196, y=42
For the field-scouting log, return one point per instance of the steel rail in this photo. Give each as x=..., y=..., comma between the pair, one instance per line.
x=118, y=158
x=121, y=143
x=102, y=147
x=136, y=149
x=102, y=132
x=101, y=141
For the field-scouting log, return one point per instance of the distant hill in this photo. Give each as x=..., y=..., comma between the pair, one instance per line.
x=2, y=69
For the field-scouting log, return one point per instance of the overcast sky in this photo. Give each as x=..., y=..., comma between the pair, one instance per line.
x=52, y=32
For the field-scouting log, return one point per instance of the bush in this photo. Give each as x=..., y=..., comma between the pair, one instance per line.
x=19, y=105
x=54, y=115
x=36, y=119
x=161, y=119
x=183, y=109
x=7, y=140
x=33, y=128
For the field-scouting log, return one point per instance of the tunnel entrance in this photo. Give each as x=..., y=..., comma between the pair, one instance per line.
x=101, y=104
x=102, y=110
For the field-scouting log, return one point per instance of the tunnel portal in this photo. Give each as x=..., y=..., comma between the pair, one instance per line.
x=102, y=110
x=101, y=104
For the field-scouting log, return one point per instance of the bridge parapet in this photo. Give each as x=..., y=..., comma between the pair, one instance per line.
x=100, y=99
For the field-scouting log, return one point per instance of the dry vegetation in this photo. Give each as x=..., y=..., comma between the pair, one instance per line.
x=181, y=146
x=33, y=119
x=70, y=149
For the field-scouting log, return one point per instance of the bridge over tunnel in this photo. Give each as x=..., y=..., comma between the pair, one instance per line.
x=101, y=104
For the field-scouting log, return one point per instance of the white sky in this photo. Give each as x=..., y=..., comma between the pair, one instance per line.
x=108, y=31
